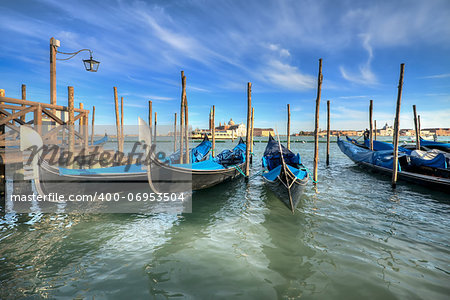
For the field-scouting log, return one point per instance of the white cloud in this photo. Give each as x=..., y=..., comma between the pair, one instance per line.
x=278, y=49
x=365, y=75
x=287, y=76
x=437, y=76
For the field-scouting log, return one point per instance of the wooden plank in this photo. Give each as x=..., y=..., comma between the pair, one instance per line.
x=15, y=107
x=53, y=116
x=16, y=115
x=32, y=103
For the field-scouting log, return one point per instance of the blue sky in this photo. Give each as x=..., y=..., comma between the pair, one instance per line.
x=222, y=45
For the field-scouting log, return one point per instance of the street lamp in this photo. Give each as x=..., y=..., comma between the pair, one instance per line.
x=90, y=64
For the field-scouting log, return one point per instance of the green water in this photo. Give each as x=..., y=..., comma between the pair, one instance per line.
x=352, y=238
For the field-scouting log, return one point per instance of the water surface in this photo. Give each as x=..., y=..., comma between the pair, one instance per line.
x=352, y=237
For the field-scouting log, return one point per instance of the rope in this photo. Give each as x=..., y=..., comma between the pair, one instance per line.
x=239, y=169
x=310, y=174
x=252, y=153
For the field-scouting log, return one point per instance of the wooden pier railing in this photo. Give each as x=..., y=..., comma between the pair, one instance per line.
x=17, y=112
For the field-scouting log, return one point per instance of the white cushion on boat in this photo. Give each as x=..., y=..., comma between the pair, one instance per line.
x=428, y=155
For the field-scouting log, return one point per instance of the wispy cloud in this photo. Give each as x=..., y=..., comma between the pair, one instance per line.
x=365, y=75
x=287, y=76
x=446, y=75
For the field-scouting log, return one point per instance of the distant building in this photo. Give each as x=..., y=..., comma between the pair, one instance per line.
x=225, y=131
x=263, y=131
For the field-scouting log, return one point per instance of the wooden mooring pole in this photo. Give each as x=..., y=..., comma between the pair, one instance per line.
x=213, y=130
x=150, y=122
x=288, y=128
x=24, y=97
x=116, y=102
x=186, y=128
x=328, y=132
x=251, y=134
x=155, y=132
x=183, y=94
x=2, y=163
x=70, y=123
x=397, y=127
x=247, y=148
x=418, y=121
x=371, y=124
x=122, y=135
x=93, y=123
x=316, y=127
x=175, y=134
x=375, y=130
x=416, y=127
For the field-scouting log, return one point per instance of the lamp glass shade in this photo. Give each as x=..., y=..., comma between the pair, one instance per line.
x=91, y=65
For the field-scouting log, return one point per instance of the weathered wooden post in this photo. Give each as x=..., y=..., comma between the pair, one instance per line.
x=2, y=127
x=253, y=125
x=81, y=121
x=328, y=132
x=186, y=122
x=24, y=97
x=247, y=147
x=375, y=129
x=2, y=163
x=416, y=127
x=156, y=119
x=213, y=130
x=397, y=127
x=122, y=136
x=288, y=132
x=116, y=102
x=86, y=129
x=38, y=119
x=316, y=128
x=371, y=127
x=418, y=121
x=150, y=122
x=53, y=72
x=70, y=123
x=175, y=134
x=183, y=94
x=93, y=122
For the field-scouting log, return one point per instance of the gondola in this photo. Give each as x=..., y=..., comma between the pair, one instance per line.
x=200, y=153
x=168, y=177
x=49, y=178
x=101, y=141
x=435, y=145
x=408, y=170
x=284, y=174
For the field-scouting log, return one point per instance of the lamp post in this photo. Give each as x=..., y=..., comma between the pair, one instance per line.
x=90, y=64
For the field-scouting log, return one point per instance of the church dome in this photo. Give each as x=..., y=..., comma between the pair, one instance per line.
x=231, y=122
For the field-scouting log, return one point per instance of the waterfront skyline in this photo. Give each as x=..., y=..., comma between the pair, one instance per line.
x=143, y=46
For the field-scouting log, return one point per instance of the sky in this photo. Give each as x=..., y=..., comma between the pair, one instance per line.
x=222, y=45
